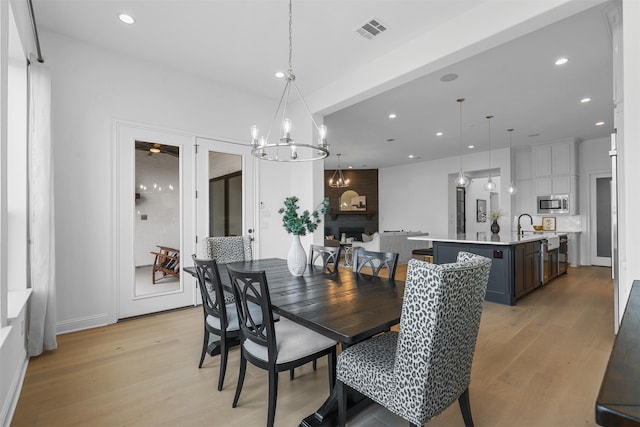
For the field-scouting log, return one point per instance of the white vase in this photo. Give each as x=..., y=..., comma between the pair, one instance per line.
x=297, y=258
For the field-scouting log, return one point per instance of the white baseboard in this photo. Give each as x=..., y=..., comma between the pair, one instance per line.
x=80, y=323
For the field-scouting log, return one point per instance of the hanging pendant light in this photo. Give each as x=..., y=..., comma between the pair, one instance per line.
x=461, y=180
x=338, y=181
x=490, y=185
x=512, y=187
x=286, y=149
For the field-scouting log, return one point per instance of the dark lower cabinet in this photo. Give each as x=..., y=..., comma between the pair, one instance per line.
x=515, y=269
x=500, y=288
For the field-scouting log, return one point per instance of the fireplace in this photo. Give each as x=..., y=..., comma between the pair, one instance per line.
x=354, y=232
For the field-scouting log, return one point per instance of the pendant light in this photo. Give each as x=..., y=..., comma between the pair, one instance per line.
x=339, y=181
x=461, y=180
x=490, y=185
x=286, y=149
x=512, y=187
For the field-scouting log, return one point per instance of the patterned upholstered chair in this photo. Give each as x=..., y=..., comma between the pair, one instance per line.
x=273, y=346
x=375, y=261
x=327, y=254
x=228, y=249
x=420, y=371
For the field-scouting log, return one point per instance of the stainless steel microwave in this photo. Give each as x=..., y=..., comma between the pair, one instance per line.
x=557, y=204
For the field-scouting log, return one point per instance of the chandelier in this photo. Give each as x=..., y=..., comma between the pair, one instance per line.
x=285, y=148
x=461, y=180
x=339, y=181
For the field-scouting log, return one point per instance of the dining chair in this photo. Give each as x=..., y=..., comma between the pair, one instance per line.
x=272, y=346
x=376, y=261
x=220, y=314
x=328, y=254
x=228, y=249
x=419, y=371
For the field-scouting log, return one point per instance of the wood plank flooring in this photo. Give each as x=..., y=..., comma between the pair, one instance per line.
x=539, y=363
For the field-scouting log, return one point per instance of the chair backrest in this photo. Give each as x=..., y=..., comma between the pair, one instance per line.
x=376, y=261
x=228, y=249
x=439, y=325
x=210, y=285
x=329, y=254
x=251, y=287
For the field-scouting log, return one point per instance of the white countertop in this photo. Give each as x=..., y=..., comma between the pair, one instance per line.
x=487, y=238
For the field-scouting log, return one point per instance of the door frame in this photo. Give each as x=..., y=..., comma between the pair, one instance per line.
x=249, y=186
x=125, y=134
x=593, y=258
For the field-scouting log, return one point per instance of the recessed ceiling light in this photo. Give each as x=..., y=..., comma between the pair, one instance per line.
x=127, y=19
x=471, y=146
x=448, y=77
x=599, y=123
x=390, y=140
x=561, y=61
x=586, y=99
x=392, y=116
x=439, y=134
x=279, y=74
x=411, y=156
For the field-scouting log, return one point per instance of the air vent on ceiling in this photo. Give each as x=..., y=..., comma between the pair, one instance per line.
x=371, y=29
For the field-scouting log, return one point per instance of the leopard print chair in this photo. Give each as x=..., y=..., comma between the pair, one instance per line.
x=420, y=371
x=228, y=249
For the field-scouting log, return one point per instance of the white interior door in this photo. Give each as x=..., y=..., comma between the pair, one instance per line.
x=600, y=210
x=154, y=197
x=226, y=200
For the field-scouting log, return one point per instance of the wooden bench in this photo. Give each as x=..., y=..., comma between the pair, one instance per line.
x=167, y=262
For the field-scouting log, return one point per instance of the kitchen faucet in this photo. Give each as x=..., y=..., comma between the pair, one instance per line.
x=520, y=232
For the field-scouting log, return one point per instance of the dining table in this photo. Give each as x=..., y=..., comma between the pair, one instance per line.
x=345, y=306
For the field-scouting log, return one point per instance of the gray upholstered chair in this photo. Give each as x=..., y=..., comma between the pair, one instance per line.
x=376, y=261
x=420, y=371
x=228, y=249
x=272, y=346
x=328, y=255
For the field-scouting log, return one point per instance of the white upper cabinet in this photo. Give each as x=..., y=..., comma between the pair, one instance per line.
x=554, y=159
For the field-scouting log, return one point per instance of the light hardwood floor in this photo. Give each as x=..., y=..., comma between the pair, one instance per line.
x=538, y=363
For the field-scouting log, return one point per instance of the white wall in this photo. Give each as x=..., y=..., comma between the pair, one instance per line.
x=90, y=88
x=421, y=196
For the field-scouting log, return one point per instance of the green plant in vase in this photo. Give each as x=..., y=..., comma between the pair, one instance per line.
x=300, y=225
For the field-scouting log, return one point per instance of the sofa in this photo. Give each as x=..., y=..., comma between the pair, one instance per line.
x=394, y=241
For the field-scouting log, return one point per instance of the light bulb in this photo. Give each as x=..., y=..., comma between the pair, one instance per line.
x=512, y=189
x=261, y=142
x=294, y=153
x=461, y=180
x=490, y=186
x=322, y=130
x=254, y=132
x=286, y=127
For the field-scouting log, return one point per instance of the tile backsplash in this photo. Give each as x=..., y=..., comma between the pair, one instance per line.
x=567, y=223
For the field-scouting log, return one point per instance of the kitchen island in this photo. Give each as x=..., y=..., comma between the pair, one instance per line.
x=517, y=266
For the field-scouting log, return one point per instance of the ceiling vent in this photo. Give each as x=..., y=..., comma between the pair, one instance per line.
x=371, y=29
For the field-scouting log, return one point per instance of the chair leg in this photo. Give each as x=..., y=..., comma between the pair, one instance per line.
x=342, y=403
x=205, y=344
x=465, y=408
x=291, y=374
x=315, y=364
x=224, y=353
x=273, y=395
x=243, y=370
x=332, y=368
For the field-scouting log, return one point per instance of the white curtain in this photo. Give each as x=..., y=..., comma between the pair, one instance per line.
x=42, y=322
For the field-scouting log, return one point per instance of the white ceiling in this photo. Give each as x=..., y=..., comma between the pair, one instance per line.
x=242, y=43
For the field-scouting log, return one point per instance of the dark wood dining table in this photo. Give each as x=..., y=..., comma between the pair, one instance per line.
x=345, y=306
